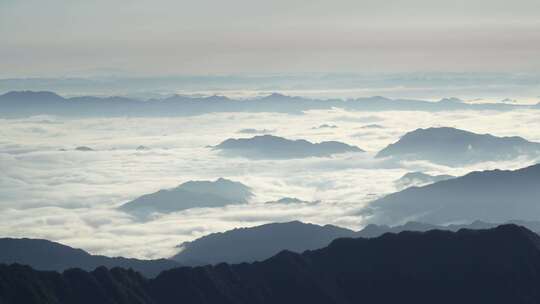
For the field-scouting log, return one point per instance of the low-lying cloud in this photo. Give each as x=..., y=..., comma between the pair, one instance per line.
x=71, y=196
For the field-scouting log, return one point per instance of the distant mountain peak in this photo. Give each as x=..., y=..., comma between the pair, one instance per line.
x=492, y=196
x=274, y=147
x=191, y=194
x=451, y=100
x=451, y=146
x=45, y=95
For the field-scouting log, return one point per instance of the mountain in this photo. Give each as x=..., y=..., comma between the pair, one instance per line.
x=324, y=126
x=192, y=194
x=255, y=131
x=47, y=255
x=374, y=230
x=273, y=147
x=260, y=242
x=29, y=103
x=450, y=146
x=419, y=179
x=84, y=149
x=257, y=243
x=291, y=200
x=493, y=196
x=499, y=265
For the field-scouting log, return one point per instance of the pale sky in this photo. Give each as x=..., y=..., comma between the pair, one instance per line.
x=164, y=37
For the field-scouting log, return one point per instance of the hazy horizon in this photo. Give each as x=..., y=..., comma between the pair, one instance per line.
x=62, y=38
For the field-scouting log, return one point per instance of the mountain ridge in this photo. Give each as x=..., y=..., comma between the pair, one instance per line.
x=498, y=265
x=24, y=103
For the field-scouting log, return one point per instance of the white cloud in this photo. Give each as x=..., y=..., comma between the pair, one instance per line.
x=70, y=196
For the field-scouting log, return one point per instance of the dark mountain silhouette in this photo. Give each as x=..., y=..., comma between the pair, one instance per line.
x=273, y=147
x=84, y=149
x=261, y=242
x=374, y=230
x=47, y=255
x=500, y=265
x=419, y=179
x=493, y=196
x=451, y=146
x=192, y=194
x=28, y=103
x=257, y=243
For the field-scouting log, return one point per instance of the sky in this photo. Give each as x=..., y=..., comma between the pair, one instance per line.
x=141, y=37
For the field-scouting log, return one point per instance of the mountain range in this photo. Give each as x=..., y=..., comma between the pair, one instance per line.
x=455, y=147
x=274, y=147
x=493, y=196
x=261, y=242
x=499, y=265
x=257, y=243
x=234, y=246
x=191, y=194
x=48, y=255
x=30, y=103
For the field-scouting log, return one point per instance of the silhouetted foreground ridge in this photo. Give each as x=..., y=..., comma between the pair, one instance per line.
x=499, y=265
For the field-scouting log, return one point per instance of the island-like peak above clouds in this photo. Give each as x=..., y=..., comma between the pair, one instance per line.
x=450, y=146
x=419, y=179
x=191, y=194
x=492, y=196
x=274, y=147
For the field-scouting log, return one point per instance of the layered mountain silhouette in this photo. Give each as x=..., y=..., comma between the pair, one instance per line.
x=500, y=265
x=257, y=243
x=450, y=146
x=261, y=242
x=274, y=147
x=29, y=103
x=493, y=196
x=235, y=246
x=46, y=255
x=192, y=194
x=419, y=179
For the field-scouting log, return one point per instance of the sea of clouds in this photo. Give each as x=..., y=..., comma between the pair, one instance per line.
x=49, y=190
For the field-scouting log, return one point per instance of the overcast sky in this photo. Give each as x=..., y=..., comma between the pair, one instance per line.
x=66, y=37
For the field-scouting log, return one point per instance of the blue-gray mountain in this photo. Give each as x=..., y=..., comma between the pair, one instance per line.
x=274, y=147
x=257, y=243
x=47, y=255
x=493, y=196
x=261, y=242
x=454, y=147
x=419, y=179
x=234, y=246
x=500, y=265
x=29, y=103
x=192, y=194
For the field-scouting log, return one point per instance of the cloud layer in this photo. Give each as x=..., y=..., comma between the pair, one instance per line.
x=70, y=196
